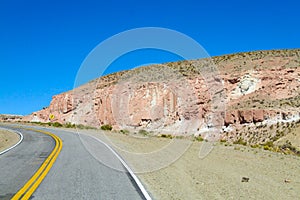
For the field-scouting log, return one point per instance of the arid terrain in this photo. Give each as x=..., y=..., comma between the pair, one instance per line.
x=219, y=175
x=7, y=139
x=160, y=119
x=248, y=98
x=251, y=86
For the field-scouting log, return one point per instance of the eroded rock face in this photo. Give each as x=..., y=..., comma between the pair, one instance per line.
x=231, y=117
x=256, y=78
x=258, y=116
x=247, y=116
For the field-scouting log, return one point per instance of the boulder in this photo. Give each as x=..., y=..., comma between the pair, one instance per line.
x=245, y=116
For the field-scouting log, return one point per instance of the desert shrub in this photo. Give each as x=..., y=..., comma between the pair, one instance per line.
x=143, y=132
x=57, y=124
x=106, y=127
x=199, y=138
x=278, y=125
x=39, y=123
x=89, y=127
x=80, y=126
x=69, y=125
x=265, y=147
x=255, y=145
x=269, y=144
x=288, y=147
x=166, y=136
x=240, y=141
x=124, y=131
x=222, y=140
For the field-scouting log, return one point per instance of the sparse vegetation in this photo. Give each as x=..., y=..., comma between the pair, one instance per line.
x=265, y=147
x=269, y=144
x=199, y=138
x=106, y=127
x=69, y=125
x=143, y=132
x=288, y=148
x=255, y=145
x=237, y=148
x=166, y=136
x=57, y=124
x=125, y=132
x=81, y=126
x=240, y=141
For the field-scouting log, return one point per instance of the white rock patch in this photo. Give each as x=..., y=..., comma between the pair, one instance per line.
x=247, y=85
x=36, y=119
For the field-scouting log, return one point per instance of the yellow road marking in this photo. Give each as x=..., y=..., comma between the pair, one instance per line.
x=27, y=190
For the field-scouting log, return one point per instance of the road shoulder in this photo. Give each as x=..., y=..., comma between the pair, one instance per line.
x=8, y=139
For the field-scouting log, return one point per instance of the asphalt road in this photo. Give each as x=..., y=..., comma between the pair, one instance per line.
x=20, y=163
x=76, y=174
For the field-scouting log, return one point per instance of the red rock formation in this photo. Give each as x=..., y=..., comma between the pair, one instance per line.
x=245, y=116
x=231, y=117
x=265, y=76
x=258, y=116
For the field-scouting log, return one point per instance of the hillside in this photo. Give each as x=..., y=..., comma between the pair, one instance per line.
x=237, y=97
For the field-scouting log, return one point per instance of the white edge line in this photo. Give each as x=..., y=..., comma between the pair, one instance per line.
x=138, y=182
x=135, y=178
x=21, y=139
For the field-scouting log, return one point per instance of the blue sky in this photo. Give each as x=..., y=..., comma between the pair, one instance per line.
x=44, y=42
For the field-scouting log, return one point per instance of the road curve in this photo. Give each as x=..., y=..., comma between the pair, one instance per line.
x=76, y=174
x=32, y=184
x=20, y=163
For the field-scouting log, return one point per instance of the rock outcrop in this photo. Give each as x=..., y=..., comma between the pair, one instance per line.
x=180, y=96
x=247, y=116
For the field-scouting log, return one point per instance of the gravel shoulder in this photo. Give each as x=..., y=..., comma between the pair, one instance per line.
x=7, y=139
x=217, y=176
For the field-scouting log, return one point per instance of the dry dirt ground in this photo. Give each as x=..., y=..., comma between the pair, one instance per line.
x=7, y=139
x=216, y=176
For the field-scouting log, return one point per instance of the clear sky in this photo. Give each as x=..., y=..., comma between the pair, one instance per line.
x=44, y=42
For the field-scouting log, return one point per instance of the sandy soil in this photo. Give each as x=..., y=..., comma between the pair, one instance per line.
x=293, y=137
x=7, y=139
x=217, y=176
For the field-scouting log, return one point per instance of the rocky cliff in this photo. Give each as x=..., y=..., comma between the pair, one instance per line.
x=187, y=97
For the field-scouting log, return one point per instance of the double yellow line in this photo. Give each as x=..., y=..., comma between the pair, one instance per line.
x=32, y=184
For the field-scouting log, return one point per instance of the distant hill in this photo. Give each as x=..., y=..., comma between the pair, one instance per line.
x=12, y=118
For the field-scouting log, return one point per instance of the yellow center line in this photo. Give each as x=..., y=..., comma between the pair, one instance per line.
x=32, y=184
